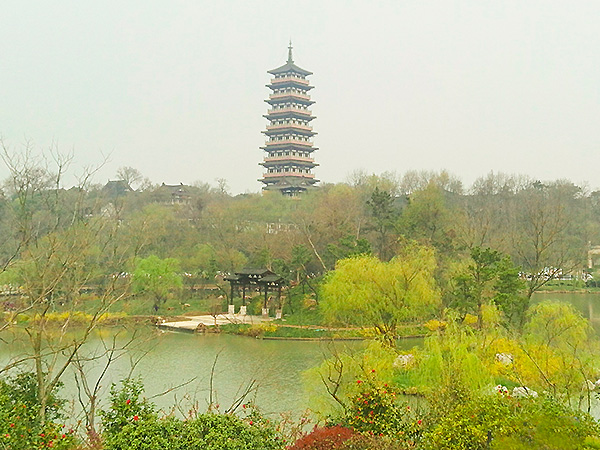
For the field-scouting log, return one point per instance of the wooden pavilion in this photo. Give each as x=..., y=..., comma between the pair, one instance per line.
x=255, y=278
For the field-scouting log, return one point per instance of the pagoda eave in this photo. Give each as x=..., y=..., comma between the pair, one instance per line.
x=289, y=67
x=304, y=87
x=295, y=115
x=288, y=130
x=297, y=162
x=288, y=180
x=288, y=99
x=297, y=146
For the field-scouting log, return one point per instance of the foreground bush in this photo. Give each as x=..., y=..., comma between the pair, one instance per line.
x=485, y=422
x=377, y=411
x=22, y=426
x=205, y=432
x=132, y=423
x=324, y=438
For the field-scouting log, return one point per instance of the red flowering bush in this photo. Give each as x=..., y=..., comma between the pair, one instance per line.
x=323, y=438
x=377, y=411
x=21, y=427
x=127, y=405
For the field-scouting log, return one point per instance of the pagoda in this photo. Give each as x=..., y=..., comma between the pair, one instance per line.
x=288, y=160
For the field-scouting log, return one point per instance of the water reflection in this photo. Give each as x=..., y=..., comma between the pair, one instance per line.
x=165, y=360
x=588, y=304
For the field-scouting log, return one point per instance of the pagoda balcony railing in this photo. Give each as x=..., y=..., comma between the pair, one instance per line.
x=286, y=79
x=289, y=141
x=289, y=125
x=289, y=110
x=289, y=94
x=289, y=174
x=288, y=158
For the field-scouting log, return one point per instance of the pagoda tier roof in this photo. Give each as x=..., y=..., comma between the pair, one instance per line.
x=289, y=67
x=284, y=81
x=292, y=115
x=289, y=112
x=279, y=129
x=289, y=97
x=291, y=145
x=295, y=160
x=273, y=148
x=291, y=164
x=288, y=181
x=290, y=82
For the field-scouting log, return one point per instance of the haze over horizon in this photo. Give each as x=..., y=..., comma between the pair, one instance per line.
x=176, y=89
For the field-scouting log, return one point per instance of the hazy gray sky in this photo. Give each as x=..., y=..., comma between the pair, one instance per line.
x=176, y=89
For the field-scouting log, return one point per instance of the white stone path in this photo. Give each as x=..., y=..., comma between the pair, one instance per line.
x=194, y=321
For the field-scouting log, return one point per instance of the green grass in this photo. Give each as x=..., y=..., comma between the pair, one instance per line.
x=312, y=333
x=272, y=330
x=572, y=285
x=303, y=317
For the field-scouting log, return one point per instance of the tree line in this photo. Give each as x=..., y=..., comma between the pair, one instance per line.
x=546, y=228
x=442, y=245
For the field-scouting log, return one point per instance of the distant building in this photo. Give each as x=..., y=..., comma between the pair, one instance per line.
x=174, y=194
x=288, y=161
x=116, y=188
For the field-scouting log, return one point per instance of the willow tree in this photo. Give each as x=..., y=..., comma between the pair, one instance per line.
x=157, y=278
x=364, y=291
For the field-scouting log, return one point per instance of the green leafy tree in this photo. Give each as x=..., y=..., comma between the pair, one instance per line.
x=559, y=343
x=488, y=276
x=546, y=232
x=508, y=291
x=367, y=292
x=429, y=219
x=383, y=216
x=349, y=246
x=157, y=278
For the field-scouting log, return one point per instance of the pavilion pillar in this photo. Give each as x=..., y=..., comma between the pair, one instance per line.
x=279, y=310
x=244, y=295
x=265, y=309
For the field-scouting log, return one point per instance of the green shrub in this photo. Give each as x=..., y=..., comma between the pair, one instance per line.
x=21, y=424
x=131, y=423
x=500, y=422
x=204, y=432
x=546, y=424
x=126, y=406
x=377, y=411
x=466, y=424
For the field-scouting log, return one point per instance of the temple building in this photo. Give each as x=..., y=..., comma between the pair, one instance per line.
x=288, y=160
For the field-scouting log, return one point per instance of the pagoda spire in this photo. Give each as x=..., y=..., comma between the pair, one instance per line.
x=290, y=60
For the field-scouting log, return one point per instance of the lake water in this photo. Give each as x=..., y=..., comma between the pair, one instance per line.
x=165, y=360
x=588, y=304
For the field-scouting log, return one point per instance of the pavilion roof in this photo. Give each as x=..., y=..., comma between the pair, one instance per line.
x=271, y=278
x=254, y=271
